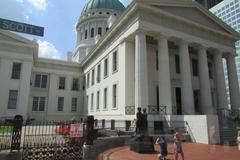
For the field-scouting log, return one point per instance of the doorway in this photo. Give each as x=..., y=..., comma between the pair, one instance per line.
x=178, y=101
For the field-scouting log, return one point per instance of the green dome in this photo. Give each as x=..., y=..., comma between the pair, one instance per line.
x=103, y=4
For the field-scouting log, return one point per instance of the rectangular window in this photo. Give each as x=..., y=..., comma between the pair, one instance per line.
x=74, y=105
x=195, y=67
x=35, y=103
x=44, y=81
x=115, y=61
x=75, y=84
x=37, y=81
x=157, y=60
x=16, y=70
x=105, y=98
x=98, y=100
x=93, y=77
x=99, y=73
x=106, y=67
x=92, y=98
x=88, y=79
x=42, y=104
x=38, y=104
x=40, y=81
x=60, y=104
x=114, y=96
x=61, y=83
x=177, y=64
x=12, y=99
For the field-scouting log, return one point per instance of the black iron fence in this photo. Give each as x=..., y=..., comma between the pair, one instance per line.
x=43, y=140
x=52, y=140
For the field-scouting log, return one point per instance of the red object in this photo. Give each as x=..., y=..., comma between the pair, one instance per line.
x=64, y=129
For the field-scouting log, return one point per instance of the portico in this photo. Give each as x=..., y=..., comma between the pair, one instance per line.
x=164, y=76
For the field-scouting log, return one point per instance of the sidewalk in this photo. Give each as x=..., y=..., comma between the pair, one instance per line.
x=192, y=151
x=10, y=156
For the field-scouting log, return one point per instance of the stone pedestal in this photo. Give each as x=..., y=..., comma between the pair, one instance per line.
x=89, y=152
x=142, y=144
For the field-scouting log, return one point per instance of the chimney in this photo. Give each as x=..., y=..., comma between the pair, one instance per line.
x=69, y=56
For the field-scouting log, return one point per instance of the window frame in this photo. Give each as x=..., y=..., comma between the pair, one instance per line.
x=106, y=65
x=74, y=104
x=58, y=104
x=115, y=96
x=115, y=62
x=75, y=85
x=39, y=101
x=41, y=80
x=105, y=98
x=16, y=70
x=12, y=100
x=60, y=87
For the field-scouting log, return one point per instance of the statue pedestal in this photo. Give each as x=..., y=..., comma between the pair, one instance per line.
x=142, y=144
x=89, y=152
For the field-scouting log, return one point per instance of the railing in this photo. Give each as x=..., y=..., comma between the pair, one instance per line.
x=233, y=114
x=130, y=110
x=157, y=110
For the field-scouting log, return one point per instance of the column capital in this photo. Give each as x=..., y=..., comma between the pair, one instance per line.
x=201, y=47
x=231, y=55
x=182, y=42
x=140, y=32
x=219, y=52
x=160, y=37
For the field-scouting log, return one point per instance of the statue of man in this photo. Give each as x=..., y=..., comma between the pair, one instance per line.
x=139, y=124
x=145, y=121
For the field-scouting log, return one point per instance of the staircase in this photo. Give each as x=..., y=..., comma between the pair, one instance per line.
x=228, y=127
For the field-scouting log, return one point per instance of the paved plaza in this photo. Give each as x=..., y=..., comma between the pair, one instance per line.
x=192, y=152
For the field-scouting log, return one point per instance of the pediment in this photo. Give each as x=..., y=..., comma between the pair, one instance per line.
x=7, y=36
x=192, y=12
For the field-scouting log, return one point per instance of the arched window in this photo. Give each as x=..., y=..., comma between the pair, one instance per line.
x=86, y=31
x=100, y=31
x=92, y=32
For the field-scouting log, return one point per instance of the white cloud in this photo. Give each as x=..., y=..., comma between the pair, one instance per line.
x=38, y=4
x=48, y=50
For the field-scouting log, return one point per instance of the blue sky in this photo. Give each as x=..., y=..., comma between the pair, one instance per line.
x=58, y=17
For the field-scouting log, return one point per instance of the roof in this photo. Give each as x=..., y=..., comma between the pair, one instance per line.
x=102, y=4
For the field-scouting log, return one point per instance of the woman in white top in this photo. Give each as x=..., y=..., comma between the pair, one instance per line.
x=177, y=144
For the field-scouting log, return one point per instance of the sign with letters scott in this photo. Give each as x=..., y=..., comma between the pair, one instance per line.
x=21, y=27
x=76, y=130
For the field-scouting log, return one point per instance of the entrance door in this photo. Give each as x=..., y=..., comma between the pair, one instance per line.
x=178, y=101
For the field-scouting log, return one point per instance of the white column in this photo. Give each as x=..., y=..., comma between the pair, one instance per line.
x=141, y=76
x=204, y=82
x=233, y=82
x=186, y=79
x=24, y=89
x=220, y=80
x=164, y=80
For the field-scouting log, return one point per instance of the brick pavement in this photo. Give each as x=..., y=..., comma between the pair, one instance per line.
x=192, y=151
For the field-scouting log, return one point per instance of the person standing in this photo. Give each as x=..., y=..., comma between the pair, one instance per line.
x=163, y=148
x=177, y=144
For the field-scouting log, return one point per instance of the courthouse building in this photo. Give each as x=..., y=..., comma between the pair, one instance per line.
x=162, y=55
